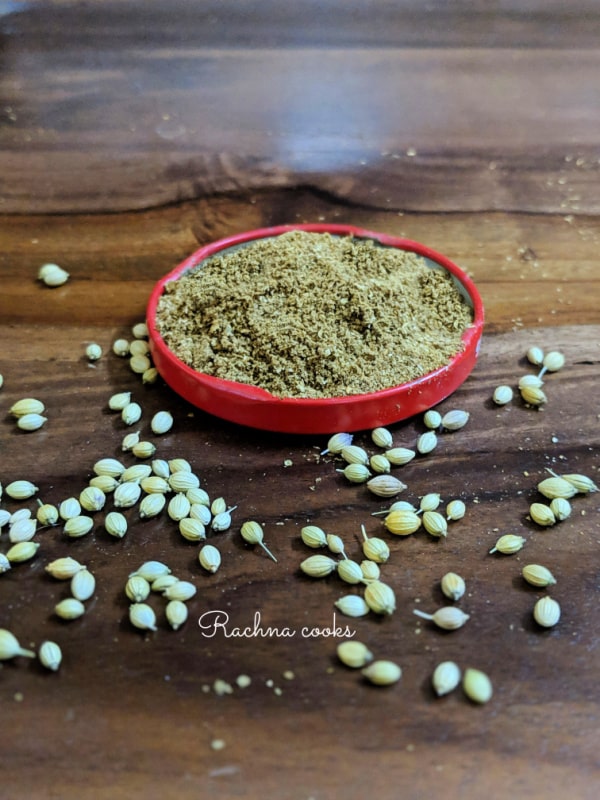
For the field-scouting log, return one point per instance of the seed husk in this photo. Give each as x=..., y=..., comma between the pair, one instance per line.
x=120, y=347
x=445, y=678
x=64, y=568
x=116, y=524
x=354, y=654
x=50, y=655
x=537, y=575
x=552, y=362
x=179, y=507
x=546, y=612
x=142, y=616
x=160, y=467
x=352, y=454
x=218, y=506
x=398, y=456
x=200, y=513
x=380, y=598
x=140, y=330
x=530, y=382
x=198, y=496
x=533, y=396
x=139, y=348
x=23, y=530
x=209, y=558
x=556, y=487
x=374, y=548
x=542, y=514
x=53, y=275
x=161, y=422
x=22, y=551
x=222, y=522
x=21, y=490
x=143, y=449
x=370, y=570
x=153, y=484
x=453, y=586
x=561, y=508
x=337, y=442
x=151, y=570
x=131, y=414
x=385, y=485
x=179, y=465
x=183, y=481
x=78, y=526
x=10, y=647
x=105, y=483
x=335, y=544
x=356, y=473
x=20, y=514
x=502, y=395
x=477, y=686
x=455, y=510
x=150, y=376
x=83, y=585
x=427, y=442
x=435, y=524
x=136, y=473
x=318, y=566
x=69, y=508
x=313, y=536
x=381, y=437
x=137, y=589
x=163, y=582
x=93, y=351
x=192, y=529
x=449, y=618
x=26, y=406
x=349, y=571
x=151, y=505
x=432, y=419
x=139, y=364
x=535, y=356
x=582, y=483
x=430, y=502
x=382, y=672
x=380, y=464
x=508, y=544
x=176, y=613
x=127, y=494
x=92, y=499
x=253, y=534
x=69, y=608
x=403, y=522
x=352, y=605
x=455, y=420
x=184, y=590
x=109, y=466
x=31, y=422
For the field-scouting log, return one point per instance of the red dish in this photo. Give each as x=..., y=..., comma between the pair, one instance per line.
x=256, y=408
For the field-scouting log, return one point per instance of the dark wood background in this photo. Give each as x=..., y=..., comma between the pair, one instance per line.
x=131, y=133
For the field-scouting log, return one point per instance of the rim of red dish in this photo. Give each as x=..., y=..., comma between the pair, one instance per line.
x=247, y=404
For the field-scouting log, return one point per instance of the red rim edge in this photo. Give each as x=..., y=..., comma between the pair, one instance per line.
x=256, y=408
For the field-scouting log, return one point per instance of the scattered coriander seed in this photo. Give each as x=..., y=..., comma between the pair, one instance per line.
x=163, y=582
x=176, y=613
x=31, y=422
x=218, y=505
x=5, y=517
x=120, y=348
x=352, y=605
x=4, y=564
x=349, y=571
x=109, y=466
x=537, y=575
x=335, y=544
x=151, y=505
x=218, y=744
x=23, y=530
x=155, y=485
x=337, y=442
x=50, y=655
x=83, y=585
x=1, y=380
x=353, y=454
x=380, y=464
x=502, y=395
x=449, y=618
x=354, y=654
x=119, y=401
x=402, y=522
x=453, y=586
x=179, y=507
x=21, y=513
x=140, y=330
x=382, y=673
x=455, y=420
x=93, y=352
x=435, y=524
x=385, y=485
x=374, y=548
x=150, y=376
x=355, y=473
x=426, y=443
x=10, y=647
x=432, y=419
x=69, y=508
x=552, y=362
x=530, y=382
x=253, y=534
x=151, y=570
x=142, y=616
x=201, y=513
x=136, y=473
x=183, y=481
x=429, y=502
x=139, y=364
x=92, y=499
x=161, y=422
x=64, y=568
x=582, y=483
x=192, y=529
x=69, y=608
x=115, y=524
x=535, y=356
x=131, y=414
x=561, y=508
x=477, y=686
x=53, y=275
x=21, y=490
x=313, y=536
x=209, y=558
x=185, y=590
x=78, y=526
x=143, y=449
x=179, y=465
x=398, y=456
x=556, y=487
x=139, y=347
x=508, y=544
x=542, y=514
x=455, y=510
x=222, y=522
x=318, y=566
x=445, y=678
x=47, y=514
x=370, y=570
x=22, y=551
x=546, y=612
x=105, y=483
x=161, y=468
x=26, y=406
x=533, y=396
x=382, y=438
x=380, y=598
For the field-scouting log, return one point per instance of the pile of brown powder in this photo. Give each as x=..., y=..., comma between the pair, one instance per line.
x=314, y=315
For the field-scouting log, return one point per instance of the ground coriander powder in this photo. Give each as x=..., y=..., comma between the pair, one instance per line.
x=313, y=315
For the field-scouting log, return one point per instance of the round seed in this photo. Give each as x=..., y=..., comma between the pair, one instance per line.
x=354, y=654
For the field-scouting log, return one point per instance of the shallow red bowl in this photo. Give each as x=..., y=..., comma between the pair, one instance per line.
x=253, y=406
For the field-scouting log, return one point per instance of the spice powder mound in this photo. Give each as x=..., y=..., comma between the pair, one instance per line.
x=312, y=315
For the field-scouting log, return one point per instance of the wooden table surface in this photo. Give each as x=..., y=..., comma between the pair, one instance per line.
x=131, y=134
